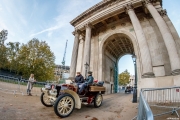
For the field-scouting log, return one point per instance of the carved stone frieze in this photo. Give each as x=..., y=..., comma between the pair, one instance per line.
x=163, y=12
x=123, y=24
x=110, y=20
x=95, y=32
x=113, y=27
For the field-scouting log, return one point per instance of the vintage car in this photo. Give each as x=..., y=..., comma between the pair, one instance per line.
x=64, y=97
x=128, y=89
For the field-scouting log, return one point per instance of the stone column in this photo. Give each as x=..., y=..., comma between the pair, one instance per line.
x=87, y=48
x=167, y=36
x=147, y=70
x=80, y=54
x=172, y=29
x=74, y=55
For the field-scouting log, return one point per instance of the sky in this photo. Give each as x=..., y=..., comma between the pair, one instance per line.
x=48, y=20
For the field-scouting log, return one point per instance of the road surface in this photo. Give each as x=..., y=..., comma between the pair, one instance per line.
x=18, y=107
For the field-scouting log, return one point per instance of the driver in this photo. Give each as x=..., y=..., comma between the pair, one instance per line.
x=88, y=81
x=79, y=79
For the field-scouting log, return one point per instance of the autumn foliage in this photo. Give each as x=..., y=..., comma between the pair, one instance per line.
x=33, y=57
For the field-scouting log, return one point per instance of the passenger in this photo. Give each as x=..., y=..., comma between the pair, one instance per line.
x=79, y=79
x=89, y=81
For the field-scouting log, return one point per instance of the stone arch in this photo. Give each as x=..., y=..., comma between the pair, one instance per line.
x=101, y=51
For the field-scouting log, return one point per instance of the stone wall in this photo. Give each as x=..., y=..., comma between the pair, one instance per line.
x=152, y=42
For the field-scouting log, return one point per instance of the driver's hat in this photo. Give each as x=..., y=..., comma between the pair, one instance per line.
x=90, y=72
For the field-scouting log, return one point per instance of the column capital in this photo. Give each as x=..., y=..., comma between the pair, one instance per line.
x=128, y=7
x=76, y=31
x=146, y=2
x=163, y=12
x=81, y=37
x=88, y=25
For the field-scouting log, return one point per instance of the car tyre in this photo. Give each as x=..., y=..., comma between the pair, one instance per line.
x=98, y=100
x=64, y=105
x=47, y=102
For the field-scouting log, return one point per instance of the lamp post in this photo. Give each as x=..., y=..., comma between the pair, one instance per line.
x=135, y=83
x=86, y=67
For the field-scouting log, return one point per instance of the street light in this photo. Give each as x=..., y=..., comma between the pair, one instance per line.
x=135, y=83
x=86, y=67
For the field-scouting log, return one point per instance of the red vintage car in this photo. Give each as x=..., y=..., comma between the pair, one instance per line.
x=64, y=97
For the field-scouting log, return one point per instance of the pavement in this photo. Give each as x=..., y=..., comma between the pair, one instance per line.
x=21, y=107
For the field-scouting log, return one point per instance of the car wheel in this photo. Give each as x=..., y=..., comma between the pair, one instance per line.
x=98, y=100
x=64, y=105
x=45, y=100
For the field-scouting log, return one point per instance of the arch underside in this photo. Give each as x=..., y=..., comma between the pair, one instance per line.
x=115, y=46
x=118, y=45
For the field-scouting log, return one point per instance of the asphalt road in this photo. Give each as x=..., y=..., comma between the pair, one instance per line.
x=18, y=107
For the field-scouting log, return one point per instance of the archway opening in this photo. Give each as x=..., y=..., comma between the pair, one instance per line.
x=125, y=72
x=115, y=47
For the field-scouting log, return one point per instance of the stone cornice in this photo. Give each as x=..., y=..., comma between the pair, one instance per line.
x=93, y=10
x=97, y=8
x=152, y=1
x=115, y=9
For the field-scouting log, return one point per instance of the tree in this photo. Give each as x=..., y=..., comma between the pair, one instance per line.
x=3, y=55
x=124, y=78
x=36, y=57
x=12, y=54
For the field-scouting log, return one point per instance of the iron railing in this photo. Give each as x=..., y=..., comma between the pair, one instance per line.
x=154, y=102
x=16, y=85
x=144, y=111
x=163, y=100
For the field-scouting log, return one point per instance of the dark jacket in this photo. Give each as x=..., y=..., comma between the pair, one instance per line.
x=89, y=80
x=79, y=79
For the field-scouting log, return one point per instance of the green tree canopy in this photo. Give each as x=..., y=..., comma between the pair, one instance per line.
x=3, y=55
x=124, y=78
x=12, y=54
x=36, y=57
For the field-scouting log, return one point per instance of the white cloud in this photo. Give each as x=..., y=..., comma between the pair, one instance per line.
x=47, y=30
x=54, y=30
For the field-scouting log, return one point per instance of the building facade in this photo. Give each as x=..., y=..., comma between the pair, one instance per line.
x=61, y=72
x=113, y=28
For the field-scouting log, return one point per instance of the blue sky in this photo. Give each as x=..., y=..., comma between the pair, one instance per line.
x=48, y=20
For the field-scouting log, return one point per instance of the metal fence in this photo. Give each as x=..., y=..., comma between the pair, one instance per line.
x=158, y=102
x=18, y=86
x=144, y=111
x=163, y=100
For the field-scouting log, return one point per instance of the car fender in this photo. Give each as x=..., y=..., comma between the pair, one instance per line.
x=76, y=98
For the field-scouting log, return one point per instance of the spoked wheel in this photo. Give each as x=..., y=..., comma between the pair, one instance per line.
x=45, y=100
x=64, y=105
x=98, y=100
